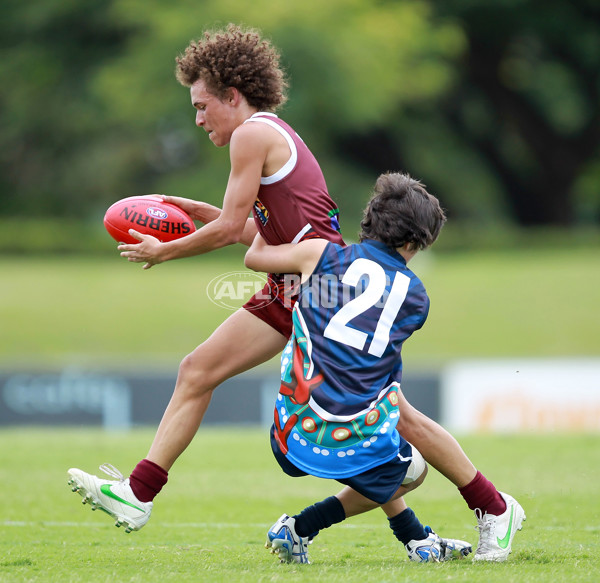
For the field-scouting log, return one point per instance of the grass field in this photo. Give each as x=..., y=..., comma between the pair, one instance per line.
x=57, y=311
x=209, y=522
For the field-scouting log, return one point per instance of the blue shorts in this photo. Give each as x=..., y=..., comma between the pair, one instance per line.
x=378, y=484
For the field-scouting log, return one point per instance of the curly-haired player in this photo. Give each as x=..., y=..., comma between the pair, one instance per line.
x=251, y=66
x=236, y=84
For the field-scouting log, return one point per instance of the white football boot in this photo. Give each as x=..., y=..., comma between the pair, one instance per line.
x=113, y=497
x=435, y=549
x=497, y=532
x=283, y=541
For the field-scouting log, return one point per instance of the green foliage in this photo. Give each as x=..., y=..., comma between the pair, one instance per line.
x=351, y=76
x=527, y=101
x=56, y=147
x=494, y=105
x=209, y=522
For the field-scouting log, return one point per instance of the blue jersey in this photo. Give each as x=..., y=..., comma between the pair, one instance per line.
x=337, y=408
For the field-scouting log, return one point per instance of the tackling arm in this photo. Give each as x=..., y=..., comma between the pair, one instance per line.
x=287, y=258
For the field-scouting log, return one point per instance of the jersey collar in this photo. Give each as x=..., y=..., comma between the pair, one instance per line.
x=384, y=247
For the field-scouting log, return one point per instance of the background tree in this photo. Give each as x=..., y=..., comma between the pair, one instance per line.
x=531, y=74
x=492, y=103
x=55, y=145
x=521, y=121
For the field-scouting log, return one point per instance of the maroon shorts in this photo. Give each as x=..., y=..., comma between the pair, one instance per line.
x=266, y=306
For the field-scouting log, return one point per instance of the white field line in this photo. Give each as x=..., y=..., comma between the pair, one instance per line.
x=68, y=524
x=179, y=525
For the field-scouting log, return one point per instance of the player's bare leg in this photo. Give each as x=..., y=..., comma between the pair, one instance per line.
x=242, y=342
x=437, y=446
x=355, y=503
x=499, y=516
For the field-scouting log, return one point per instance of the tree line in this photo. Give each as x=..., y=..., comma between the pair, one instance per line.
x=494, y=104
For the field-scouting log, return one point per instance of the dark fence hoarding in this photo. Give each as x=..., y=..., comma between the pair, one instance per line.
x=117, y=400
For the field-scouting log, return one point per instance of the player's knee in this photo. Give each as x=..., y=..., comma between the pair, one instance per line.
x=416, y=471
x=193, y=376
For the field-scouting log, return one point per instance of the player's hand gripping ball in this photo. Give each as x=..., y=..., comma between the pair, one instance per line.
x=149, y=215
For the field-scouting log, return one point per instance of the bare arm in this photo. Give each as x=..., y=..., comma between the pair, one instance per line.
x=206, y=213
x=248, y=150
x=287, y=258
x=198, y=210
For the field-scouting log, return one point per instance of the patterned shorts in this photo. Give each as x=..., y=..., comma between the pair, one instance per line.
x=378, y=484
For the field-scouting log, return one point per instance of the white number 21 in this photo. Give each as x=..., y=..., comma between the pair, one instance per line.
x=337, y=328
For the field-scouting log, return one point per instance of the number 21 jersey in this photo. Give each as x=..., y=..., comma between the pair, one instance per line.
x=337, y=408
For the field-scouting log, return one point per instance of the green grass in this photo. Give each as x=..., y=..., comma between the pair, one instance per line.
x=98, y=311
x=527, y=303
x=106, y=311
x=209, y=522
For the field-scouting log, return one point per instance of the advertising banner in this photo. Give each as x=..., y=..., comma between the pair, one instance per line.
x=521, y=395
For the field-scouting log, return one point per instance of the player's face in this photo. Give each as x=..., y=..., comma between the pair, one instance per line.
x=216, y=116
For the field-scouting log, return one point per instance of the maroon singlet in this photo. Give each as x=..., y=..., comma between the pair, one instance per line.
x=292, y=205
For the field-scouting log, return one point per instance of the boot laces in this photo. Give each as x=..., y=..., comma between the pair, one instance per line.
x=485, y=526
x=113, y=472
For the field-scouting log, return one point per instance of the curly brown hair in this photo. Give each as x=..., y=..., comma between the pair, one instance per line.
x=239, y=58
x=402, y=211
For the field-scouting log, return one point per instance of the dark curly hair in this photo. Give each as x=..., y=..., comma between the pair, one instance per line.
x=402, y=211
x=238, y=58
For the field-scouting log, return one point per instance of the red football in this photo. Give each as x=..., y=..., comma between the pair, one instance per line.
x=147, y=214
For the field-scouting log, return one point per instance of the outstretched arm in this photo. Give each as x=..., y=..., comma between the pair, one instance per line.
x=206, y=213
x=248, y=150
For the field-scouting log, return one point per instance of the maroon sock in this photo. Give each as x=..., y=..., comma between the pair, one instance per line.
x=147, y=480
x=481, y=493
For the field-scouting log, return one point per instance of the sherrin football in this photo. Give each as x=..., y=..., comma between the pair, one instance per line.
x=149, y=215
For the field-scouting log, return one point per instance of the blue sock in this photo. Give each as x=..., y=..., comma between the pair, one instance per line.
x=406, y=527
x=319, y=516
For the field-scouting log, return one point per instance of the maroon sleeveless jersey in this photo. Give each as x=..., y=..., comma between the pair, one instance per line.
x=293, y=204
